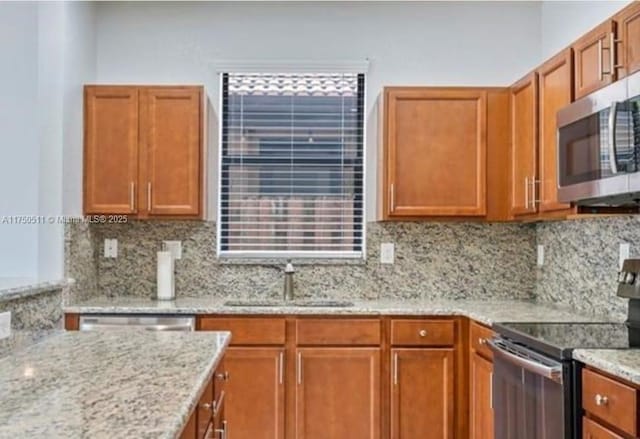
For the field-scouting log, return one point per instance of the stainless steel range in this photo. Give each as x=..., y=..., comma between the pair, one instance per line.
x=536, y=383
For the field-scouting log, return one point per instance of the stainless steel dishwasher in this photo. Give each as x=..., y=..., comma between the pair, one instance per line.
x=145, y=322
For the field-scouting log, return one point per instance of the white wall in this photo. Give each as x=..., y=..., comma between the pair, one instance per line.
x=439, y=43
x=562, y=22
x=49, y=49
x=19, y=142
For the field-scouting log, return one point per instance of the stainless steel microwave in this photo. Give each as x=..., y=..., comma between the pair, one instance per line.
x=599, y=146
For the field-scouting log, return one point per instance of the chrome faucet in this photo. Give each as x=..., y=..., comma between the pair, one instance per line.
x=288, y=281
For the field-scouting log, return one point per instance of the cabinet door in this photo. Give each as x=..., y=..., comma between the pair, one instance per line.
x=254, y=400
x=555, y=82
x=422, y=395
x=592, y=60
x=338, y=393
x=110, y=149
x=435, y=152
x=171, y=151
x=628, y=27
x=593, y=430
x=524, y=144
x=481, y=395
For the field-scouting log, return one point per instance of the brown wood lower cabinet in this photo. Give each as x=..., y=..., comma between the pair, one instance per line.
x=593, y=430
x=422, y=395
x=337, y=393
x=255, y=392
x=480, y=398
x=208, y=419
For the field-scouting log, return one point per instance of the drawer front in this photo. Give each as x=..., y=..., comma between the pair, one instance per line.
x=204, y=410
x=247, y=331
x=479, y=335
x=353, y=332
x=422, y=332
x=609, y=400
x=593, y=430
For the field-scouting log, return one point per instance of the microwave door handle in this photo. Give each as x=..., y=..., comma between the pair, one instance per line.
x=613, y=158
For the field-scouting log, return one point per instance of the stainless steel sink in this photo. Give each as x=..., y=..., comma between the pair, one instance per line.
x=322, y=303
x=249, y=302
x=302, y=303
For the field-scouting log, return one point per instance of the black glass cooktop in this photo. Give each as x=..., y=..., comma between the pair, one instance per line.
x=560, y=339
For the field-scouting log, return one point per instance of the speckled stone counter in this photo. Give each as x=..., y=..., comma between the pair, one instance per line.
x=107, y=384
x=623, y=363
x=486, y=312
x=16, y=288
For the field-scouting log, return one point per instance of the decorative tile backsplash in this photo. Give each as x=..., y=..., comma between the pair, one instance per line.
x=581, y=262
x=433, y=260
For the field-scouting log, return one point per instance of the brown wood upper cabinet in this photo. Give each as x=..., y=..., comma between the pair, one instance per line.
x=144, y=151
x=110, y=149
x=628, y=40
x=434, y=152
x=555, y=91
x=524, y=144
x=594, y=59
x=535, y=101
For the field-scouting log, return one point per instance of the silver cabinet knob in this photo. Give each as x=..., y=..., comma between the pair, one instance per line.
x=223, y=376
x=423, y=333
x=208, y=406
x=482, y=341
x=601, y=400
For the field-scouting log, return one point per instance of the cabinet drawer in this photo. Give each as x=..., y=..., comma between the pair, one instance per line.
x=479, y=335
x=609, y=400
x=354, y=332
x=593, y=430
x=422, y=332
x=247, y=331
x=204, y=410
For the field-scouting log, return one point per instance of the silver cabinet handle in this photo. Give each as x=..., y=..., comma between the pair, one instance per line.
x=612, y=53
x=422, y=333
x=534, y=192
x=601, y=400
x=482, y=341
x=299, y=367
x=613, y=159
x=217, y=404
x=224, y=376
x=132, y=196
x=600, y=67
x=149, y=196
x=391, y=198
x=281, y=368
x=222, y=431
x=395, y=369
x=491, y=390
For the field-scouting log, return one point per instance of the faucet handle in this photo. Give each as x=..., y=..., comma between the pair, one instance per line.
x=289, y=267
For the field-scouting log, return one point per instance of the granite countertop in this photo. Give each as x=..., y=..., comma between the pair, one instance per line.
x=107, y=384
x=487, y=312
x=12, y=288
x=623, y=363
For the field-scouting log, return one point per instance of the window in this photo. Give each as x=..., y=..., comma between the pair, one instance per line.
x=291, y=167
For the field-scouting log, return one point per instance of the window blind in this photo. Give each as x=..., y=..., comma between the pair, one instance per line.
x=291, y=165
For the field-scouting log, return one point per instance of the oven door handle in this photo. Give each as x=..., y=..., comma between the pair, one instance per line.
x=613, y=152
x=554, y=373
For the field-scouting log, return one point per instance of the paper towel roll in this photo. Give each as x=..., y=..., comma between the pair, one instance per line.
x=166, y=286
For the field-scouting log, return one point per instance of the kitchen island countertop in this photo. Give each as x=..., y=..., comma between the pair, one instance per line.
x=107, y=384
